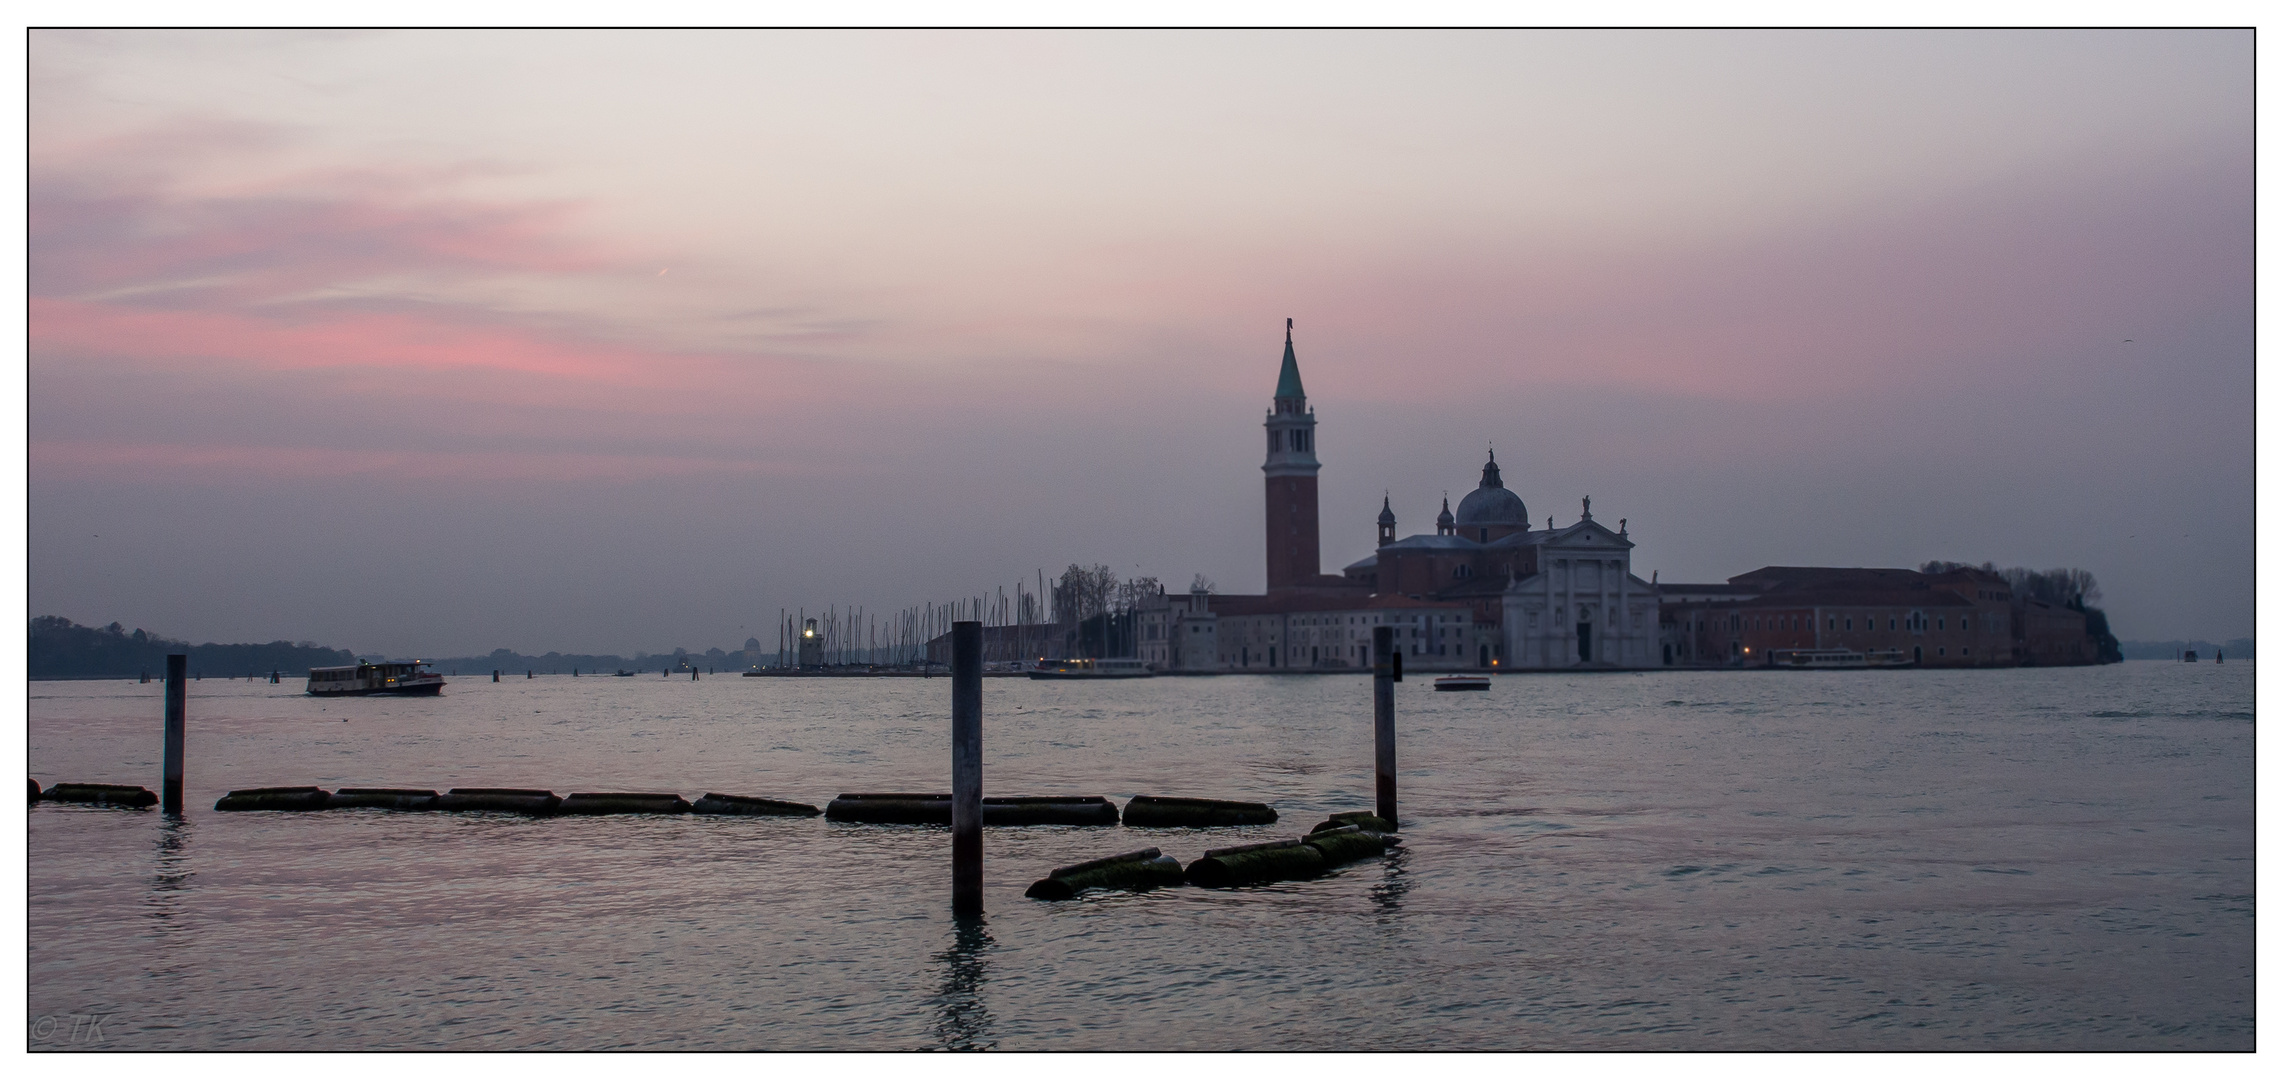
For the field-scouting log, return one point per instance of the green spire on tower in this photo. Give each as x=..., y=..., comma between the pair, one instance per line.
x=1288, y=380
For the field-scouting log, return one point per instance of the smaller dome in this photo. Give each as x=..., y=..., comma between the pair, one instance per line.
x=1386, y=512
x=1491, y=504
x=1443, y=520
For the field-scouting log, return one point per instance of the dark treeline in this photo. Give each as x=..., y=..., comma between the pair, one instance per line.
x=2066, y=587
x=62, y=649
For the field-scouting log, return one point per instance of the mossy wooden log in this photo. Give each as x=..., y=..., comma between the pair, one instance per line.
x=382, y=798
x=128, y=795
x=1049, y=810
x=508, y=800
x=613, y=802
x=1348, y=843
x=1165, y=811
x=274, y=798
x=717, y=803
x=1144, y=869
x=1362, y=819
x=1252, y=864
x=917, y=808
x=890, y=808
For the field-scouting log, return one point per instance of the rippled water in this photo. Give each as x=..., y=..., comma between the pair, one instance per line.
x=2038, y=859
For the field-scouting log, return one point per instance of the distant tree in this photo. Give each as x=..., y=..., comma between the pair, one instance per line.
x=1084, y=592
x=1132, y=593
x=61, y=649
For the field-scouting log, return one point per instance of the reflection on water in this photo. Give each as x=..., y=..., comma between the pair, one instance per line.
x=1394, y=882
x=167, y=904
x=962, y=1021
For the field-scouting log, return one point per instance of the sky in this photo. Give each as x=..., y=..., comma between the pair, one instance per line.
x=430, y=343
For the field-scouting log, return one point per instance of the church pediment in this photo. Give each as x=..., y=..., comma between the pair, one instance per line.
x=1589, y=534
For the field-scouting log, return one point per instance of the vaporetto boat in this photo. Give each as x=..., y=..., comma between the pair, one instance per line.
x=394, y=677
x=1113, y=668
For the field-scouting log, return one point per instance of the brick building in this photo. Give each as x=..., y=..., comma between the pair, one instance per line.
x=1963, y=618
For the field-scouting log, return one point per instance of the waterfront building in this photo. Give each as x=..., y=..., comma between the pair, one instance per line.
x=1962, y=618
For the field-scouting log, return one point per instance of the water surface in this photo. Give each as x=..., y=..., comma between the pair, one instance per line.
x=2031, y=859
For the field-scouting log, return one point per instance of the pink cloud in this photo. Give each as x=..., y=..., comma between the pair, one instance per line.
x=116, y=461
x=386, y=341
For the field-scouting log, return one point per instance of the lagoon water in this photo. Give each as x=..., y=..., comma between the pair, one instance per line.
x=1900, y=860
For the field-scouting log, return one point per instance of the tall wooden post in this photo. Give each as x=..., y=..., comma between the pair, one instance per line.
x=1386, y=671
x=170, y=765
x=966, y=769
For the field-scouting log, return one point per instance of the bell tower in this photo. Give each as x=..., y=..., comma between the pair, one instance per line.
x=1293, y=557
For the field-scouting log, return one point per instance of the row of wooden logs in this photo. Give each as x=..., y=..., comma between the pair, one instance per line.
x=1343, y=838
x=885, y=808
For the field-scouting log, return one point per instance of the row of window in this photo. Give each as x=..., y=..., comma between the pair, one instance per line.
x=1916, y=621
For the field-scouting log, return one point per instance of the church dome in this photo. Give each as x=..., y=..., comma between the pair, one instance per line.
x=1491, y=504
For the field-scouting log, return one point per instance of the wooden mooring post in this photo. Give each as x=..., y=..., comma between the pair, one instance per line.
x=966, y=770
x=170, y=761
x=1386, y=671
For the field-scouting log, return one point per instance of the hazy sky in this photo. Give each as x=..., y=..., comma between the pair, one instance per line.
x=432, y=343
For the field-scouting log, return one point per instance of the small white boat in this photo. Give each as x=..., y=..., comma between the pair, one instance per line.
x=1462, y=682
x=1112, y=668
x=405, y=677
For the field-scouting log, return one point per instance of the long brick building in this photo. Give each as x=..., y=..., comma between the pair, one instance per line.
x=1963, y=618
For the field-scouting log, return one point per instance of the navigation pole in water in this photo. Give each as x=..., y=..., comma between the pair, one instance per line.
x=170, y=767
x=1386, y=671
x=966, y=770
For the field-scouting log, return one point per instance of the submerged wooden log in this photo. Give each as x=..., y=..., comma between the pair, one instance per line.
x=1252, y=864
x=382, y=798
x=1164, y=811
x=919, y=808
x=128, y=795
x=1348, y=843
x=717, y=803
x=274, y=798
x=1049, y=810
x=509, y=800
x=1362, y=819
x=1144, y=869
x=890, y=808
x=612, y=802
